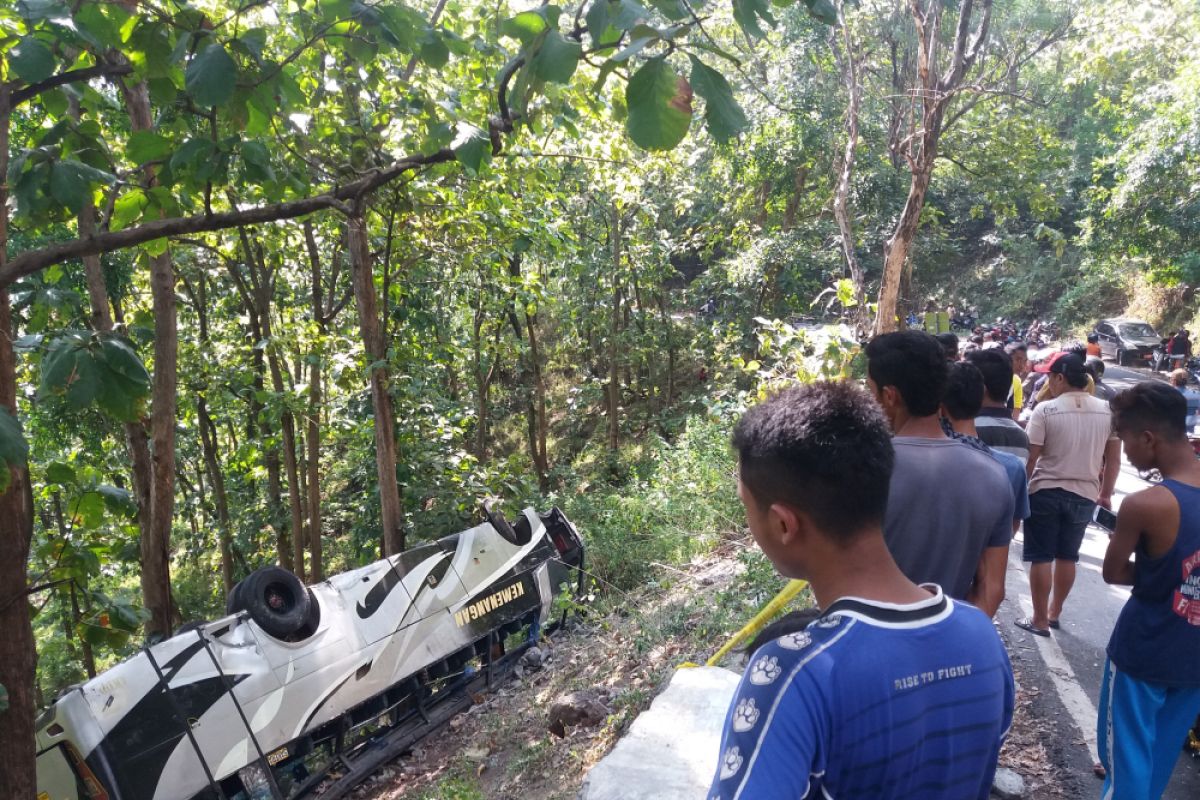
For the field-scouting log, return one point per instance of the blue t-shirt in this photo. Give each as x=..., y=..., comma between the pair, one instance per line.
x=1015, y=469
x=871, y=702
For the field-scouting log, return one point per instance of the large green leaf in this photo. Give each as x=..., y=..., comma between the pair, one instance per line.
x=13, y=447
x=83, y=385
x=433, y=49
x=258, y=162
x=472, y=147
x=674, y=10
x=557, y=59
x=123, y=360
x=822, y=10
x=747, y=13
x=212, y=76
x=145, y=146
x=71, y=183
x=722, y=114
x=526, y=26
x=58, y=472
x=128, y=208
x=31, y=60
x=660, y=106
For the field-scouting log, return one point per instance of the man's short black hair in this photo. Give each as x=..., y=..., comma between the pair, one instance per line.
x=1013, y=347
x=914, y=363
x=1071, y=366
x=949, y=343
x=822, y=448
x=1153, y=406
x=964, y=391
x=996, y=367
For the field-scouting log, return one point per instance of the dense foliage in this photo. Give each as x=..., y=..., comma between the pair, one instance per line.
x=302, y=282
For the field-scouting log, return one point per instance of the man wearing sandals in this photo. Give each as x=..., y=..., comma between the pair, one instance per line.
x=1071, y=441
x=1151, y=688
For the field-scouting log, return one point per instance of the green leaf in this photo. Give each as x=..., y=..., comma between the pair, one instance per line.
x=597, y=22
x=526, y=26
x=54, y=102
x=433, y=50
x=94, y=24
x=117, y=500
x=472, y=148
x=146, y=146
x=71, y=183
x=557, y=59
x=258, y=161
x=3, y=699
x=823, y=10
x=722, y=114
x=747, y=13
x=660, y=106
x=673, y=10
x=128, y=208
x=627, y=14
x=31, y=60
x=194, y=153
x=13, y=447
x=212, y=76
x=83, y=385
x=123, y=360
x=61, y=473
x=632, y=49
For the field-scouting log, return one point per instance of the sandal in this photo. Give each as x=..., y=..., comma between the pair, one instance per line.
x=1054, y=624
x=1027, y=624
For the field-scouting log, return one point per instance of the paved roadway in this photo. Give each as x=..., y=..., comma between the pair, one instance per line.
x=1066, y=669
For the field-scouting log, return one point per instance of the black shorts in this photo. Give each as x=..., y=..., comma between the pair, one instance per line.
x=1056, y=524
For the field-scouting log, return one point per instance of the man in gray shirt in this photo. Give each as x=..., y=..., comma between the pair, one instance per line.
x=948, y=501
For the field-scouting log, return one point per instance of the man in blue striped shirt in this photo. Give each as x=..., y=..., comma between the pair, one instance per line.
x=895, y=691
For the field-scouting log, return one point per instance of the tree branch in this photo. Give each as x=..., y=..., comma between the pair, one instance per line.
x=31, y=261
x=72, y=76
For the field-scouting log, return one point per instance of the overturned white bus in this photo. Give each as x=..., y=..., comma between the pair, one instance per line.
x=306, y=687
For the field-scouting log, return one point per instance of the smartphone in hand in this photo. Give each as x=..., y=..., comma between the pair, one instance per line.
x=1104, y=518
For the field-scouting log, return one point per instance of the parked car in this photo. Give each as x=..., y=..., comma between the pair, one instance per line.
x=262, y=702
x=1127, y=341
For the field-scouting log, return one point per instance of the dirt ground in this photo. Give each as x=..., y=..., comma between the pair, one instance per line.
x=501, y=748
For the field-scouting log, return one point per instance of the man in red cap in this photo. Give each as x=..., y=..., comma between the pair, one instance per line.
x=1071, y=441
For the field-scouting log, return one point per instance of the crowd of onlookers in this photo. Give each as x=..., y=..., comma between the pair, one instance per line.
x=899, y=506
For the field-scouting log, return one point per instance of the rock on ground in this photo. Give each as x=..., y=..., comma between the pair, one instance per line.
x=1008, y=785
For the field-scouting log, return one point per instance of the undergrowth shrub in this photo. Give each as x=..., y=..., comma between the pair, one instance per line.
x=677, y=509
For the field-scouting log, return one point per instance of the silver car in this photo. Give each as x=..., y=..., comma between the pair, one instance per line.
x=1127, y=341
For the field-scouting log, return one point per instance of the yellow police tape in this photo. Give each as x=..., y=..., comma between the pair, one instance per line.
x=760, y=620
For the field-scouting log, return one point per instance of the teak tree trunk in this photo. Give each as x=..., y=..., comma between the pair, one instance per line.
x=313, y=438
x=841, y=195
x=614, y=330
x=936, y=86
x=17, y=656
x=363, y=281
x=156, y=536
x=258, y=423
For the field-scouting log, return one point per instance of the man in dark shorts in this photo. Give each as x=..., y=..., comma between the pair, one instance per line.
x=895, y=691
x=1071, y=442
x=1151, y=688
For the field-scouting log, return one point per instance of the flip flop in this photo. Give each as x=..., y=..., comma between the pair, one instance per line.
x=1055, y=624
x=1027, y=624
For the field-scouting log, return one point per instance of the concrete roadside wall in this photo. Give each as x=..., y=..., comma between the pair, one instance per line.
x=670, y=751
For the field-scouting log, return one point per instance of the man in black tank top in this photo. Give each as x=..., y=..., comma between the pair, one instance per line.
x=1151, y=689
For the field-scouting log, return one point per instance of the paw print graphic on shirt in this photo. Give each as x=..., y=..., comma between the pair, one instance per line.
x=795, y=641
x=731, y=762
x=765, y=671
x=745, y=716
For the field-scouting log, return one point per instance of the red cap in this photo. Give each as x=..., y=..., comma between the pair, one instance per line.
x=1044, y=365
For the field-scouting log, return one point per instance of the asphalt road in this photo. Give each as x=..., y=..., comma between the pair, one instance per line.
x=1066, y=669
